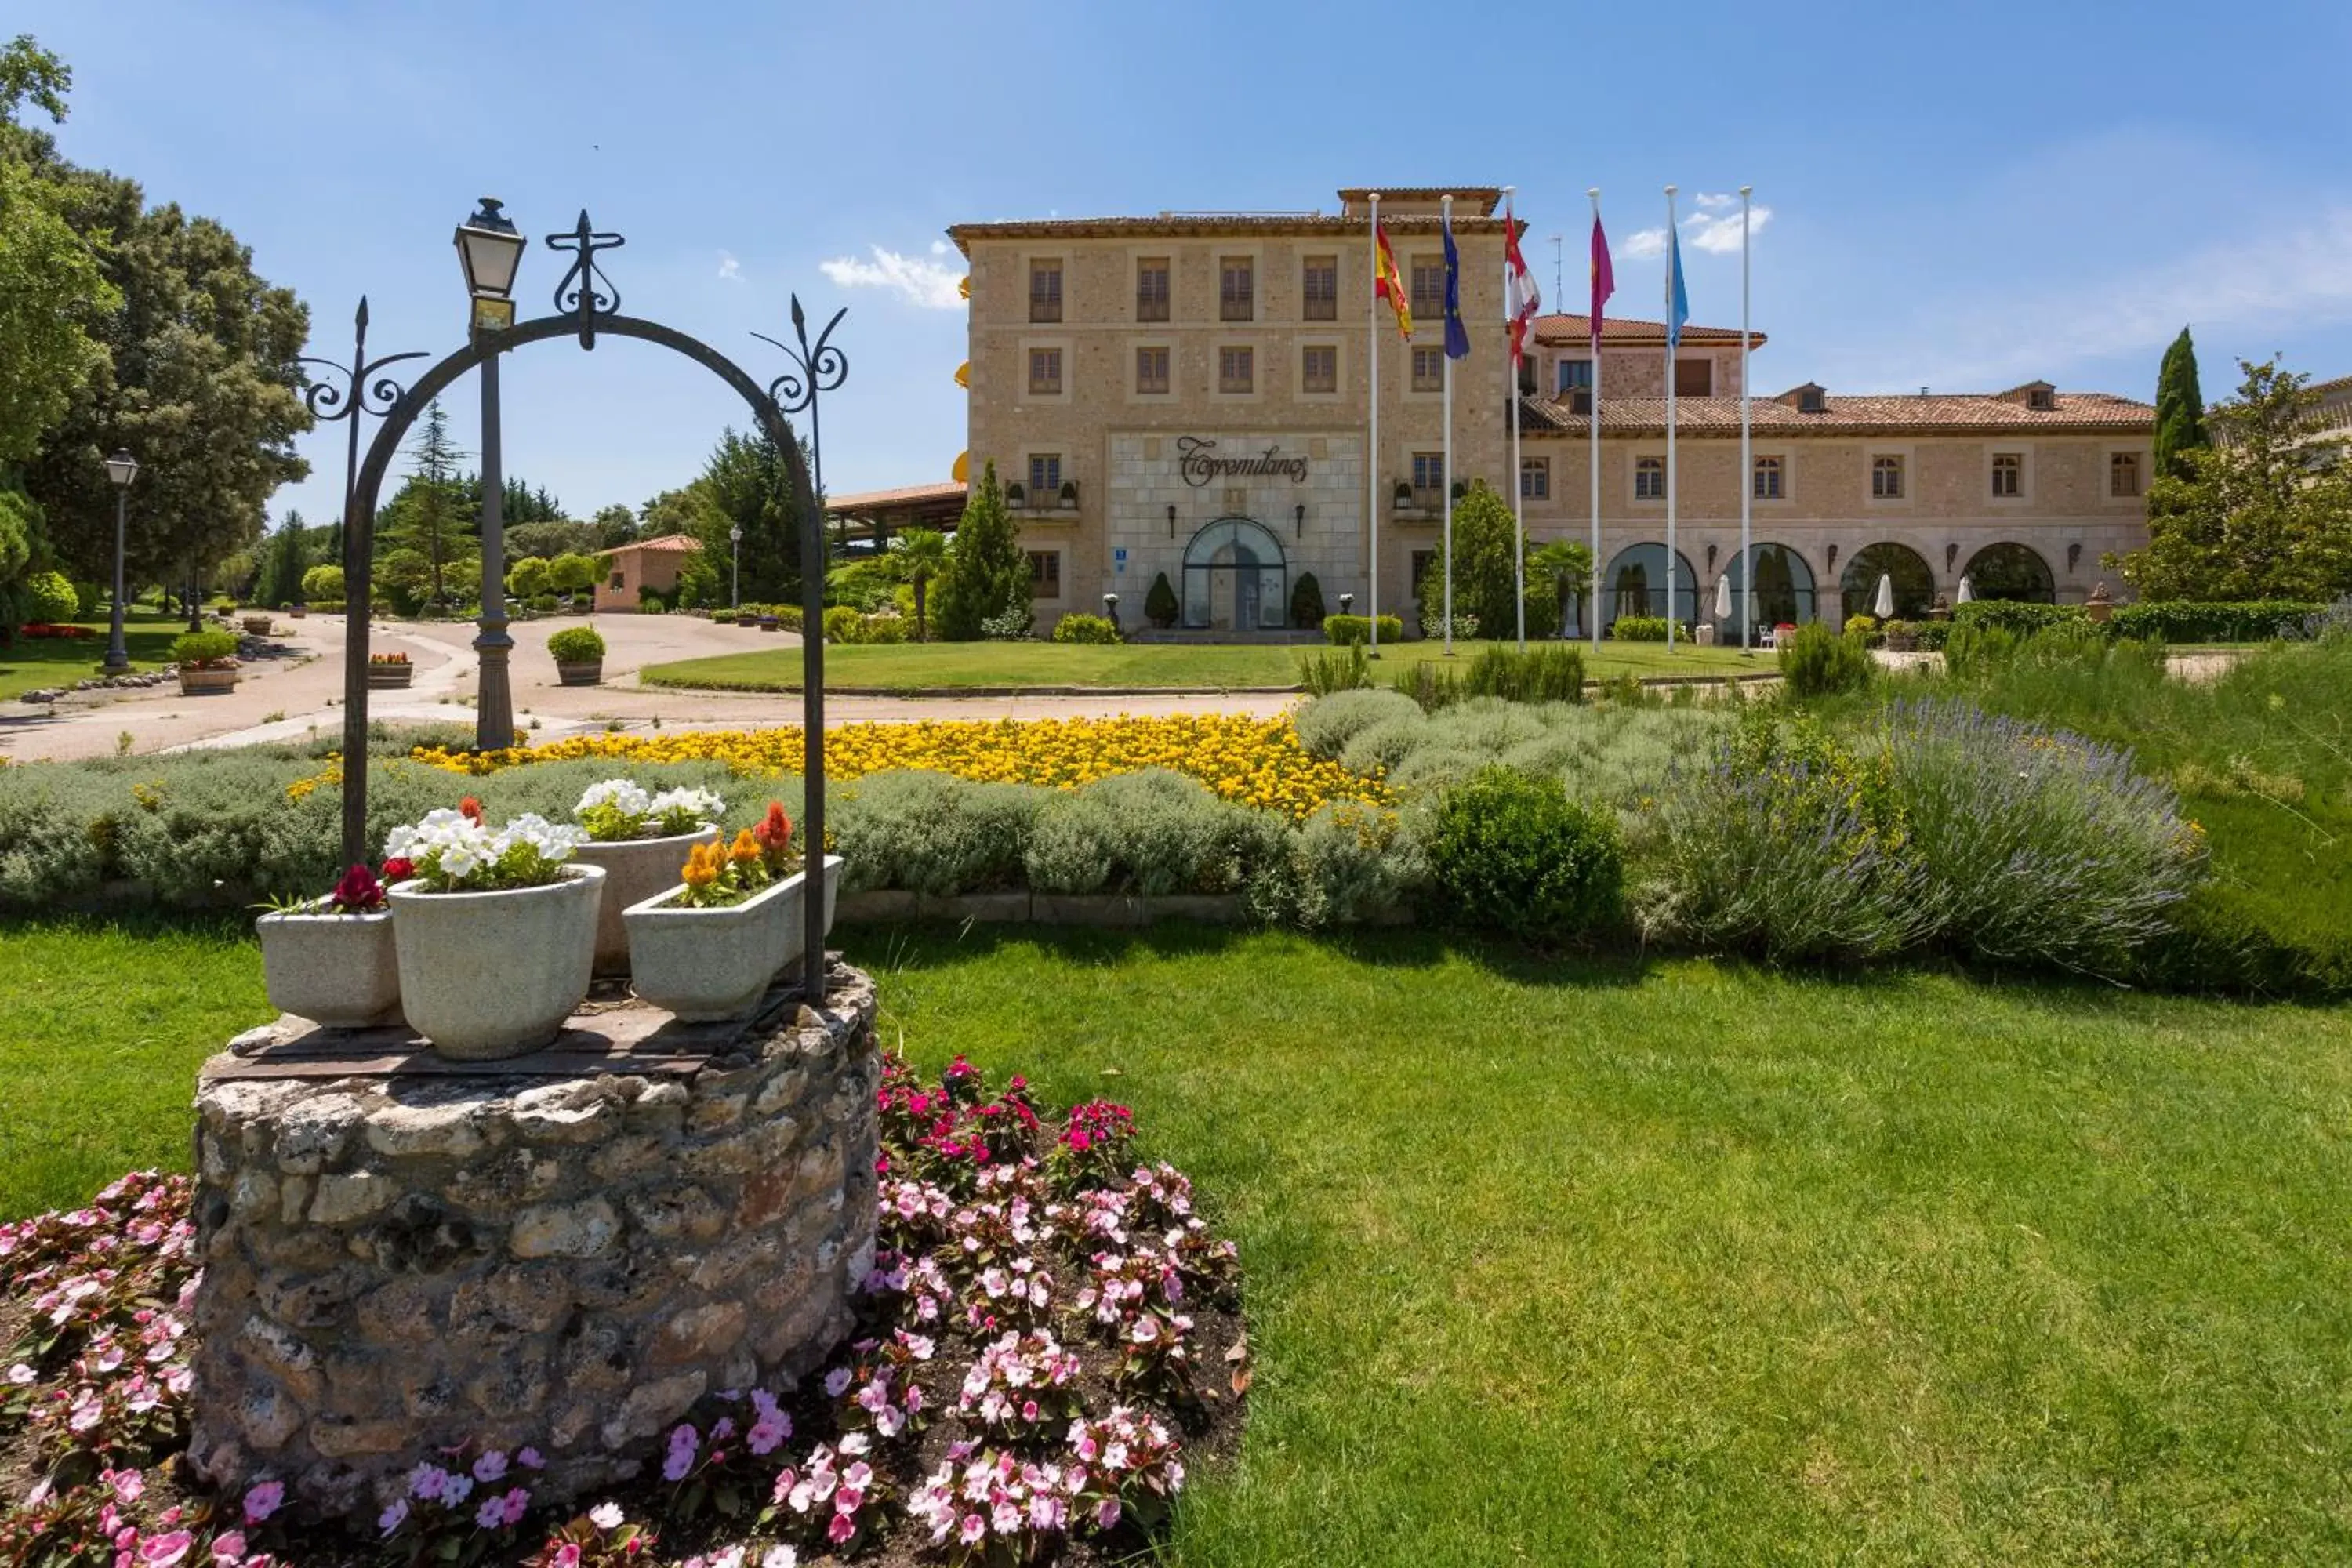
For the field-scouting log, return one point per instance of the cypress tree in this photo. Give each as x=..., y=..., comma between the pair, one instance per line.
x=2179, y=408
x=987, y=572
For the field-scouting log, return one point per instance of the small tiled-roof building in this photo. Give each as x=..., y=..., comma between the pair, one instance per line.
x=625, y=571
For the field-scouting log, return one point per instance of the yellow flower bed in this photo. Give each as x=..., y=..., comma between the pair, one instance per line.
x=1257, y=762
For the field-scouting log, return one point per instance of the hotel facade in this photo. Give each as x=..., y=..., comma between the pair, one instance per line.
x=1188, y=395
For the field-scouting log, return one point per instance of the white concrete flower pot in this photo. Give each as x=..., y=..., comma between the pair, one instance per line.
x=717, y=964
x=342, y=971
x=488, y=975
x=635, y=870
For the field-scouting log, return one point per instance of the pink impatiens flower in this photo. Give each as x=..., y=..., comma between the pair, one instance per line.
x=163, y=1550
x=263, y=1500
x=230, y=1550
x=567, y=1556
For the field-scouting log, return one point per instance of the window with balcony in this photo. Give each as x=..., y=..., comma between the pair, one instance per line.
x=1318, y=368
x=1237, y=290
x=1045, y=373
x=1534, y=478
x=2008, y=475
x=1649, y=478
x=1151, y=371
x=1236, y=370
x=1152, y=289
x=1887, y=479
x=1768, y=478
x=1044, y=291
x=1428, y=476
x=1429, y=370
x=1319, y=289
x=1044, y=478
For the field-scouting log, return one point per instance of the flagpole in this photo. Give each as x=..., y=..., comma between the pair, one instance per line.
x=1746, y=463
x=1445, y=489
x=1519, y=485
x=1593, y=424
x=1372, y=454
x=1671, y=336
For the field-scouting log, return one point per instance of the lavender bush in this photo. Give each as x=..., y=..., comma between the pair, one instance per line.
x=2035, y=845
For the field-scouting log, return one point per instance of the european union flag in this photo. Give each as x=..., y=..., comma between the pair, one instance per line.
x=1457, y=336
x=1677, y=300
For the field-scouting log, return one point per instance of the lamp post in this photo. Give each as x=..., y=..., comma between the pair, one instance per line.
x=122, y=468
x=489, y=250
x=735, y=566
x=1110, y=610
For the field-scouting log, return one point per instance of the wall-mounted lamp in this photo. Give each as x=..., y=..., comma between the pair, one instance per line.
x=1710, y=560
x=2073, y=554
x=1298, y=515
x=1172, y=522
x=1832, y=559
x=1951, y=556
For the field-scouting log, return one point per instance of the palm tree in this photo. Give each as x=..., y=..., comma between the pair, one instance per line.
x=1566, y=565
x=922, y=554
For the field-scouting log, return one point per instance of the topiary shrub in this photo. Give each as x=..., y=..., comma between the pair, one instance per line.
x=1514, y=853
x=323, y=586
x=1816, y=662
x=576, y=645
x=1306, y=603
x=1160, y=607
x=204, y=650
x=1639, y=628
x=49, y=596
x=1350, y=631
x=1090, y=630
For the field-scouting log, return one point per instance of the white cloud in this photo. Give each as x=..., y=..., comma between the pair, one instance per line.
x=729, y=268
x=1645, y=242
x=938, y=247
x=1714, y=229
x=925, y=284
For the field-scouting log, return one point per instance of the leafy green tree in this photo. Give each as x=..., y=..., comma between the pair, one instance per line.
x=53, y=286
x=1563, y=568
x=322, y=584
x=548, y=540
x=527, y=578
x=2263, y=513
x=2180, y=409
x=698, y=583
x=747, y=484
x=685, y=511
x=1484, y=581
x=987, y=572
x=922, y=555
x=429, y=514
x=285, y=557
x=20, y=547
x=613, y=526
x=571, y=573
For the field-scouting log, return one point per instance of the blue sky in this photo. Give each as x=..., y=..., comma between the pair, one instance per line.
x=1965, y=198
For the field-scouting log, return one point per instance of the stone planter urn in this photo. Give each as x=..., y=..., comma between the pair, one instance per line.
x=206, y=682
x=389, y=676
x=717, y=964
x=299, y=612
x=583, y=672
x=257, y=625
x=767, y=623
x=488, y=975
x=635, y=869
x=337, y=970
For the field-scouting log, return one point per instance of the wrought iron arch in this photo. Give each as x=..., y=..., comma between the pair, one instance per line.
x=820, y=369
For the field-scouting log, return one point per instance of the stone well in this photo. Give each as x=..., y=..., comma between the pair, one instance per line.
x=563, y=1251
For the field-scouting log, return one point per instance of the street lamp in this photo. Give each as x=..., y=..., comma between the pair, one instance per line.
x=489, y=250
x=122, y=468
x=735, y=544
x=1110, y=610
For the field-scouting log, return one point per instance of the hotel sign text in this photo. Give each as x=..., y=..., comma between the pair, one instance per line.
x=1198, y=461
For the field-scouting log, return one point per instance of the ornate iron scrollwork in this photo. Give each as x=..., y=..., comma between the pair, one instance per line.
x=578, y=294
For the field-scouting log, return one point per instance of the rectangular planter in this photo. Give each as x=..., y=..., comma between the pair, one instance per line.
x=391, y=677
x=206, y=682
x=717, y=964
x=342, y=971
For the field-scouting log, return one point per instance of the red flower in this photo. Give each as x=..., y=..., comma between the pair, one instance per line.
x=470, y=808
x=774, y=835
x=398, y=870
x=358, y=892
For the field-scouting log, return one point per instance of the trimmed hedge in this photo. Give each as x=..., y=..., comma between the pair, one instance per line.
x=1638, y=629
x=1351, y=631
x=1092, y=630
x=2257, y=620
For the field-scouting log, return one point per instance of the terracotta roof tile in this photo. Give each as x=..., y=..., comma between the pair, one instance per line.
x=905, y=495
x=1889, y=414
x=1211, y=226
x=1627, y=329
x=679, y=542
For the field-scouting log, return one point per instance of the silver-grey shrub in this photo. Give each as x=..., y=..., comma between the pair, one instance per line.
x=933, y=833
x=1151, y=833
x=1348, y=864
x=2035, y=845
x=1327, y=724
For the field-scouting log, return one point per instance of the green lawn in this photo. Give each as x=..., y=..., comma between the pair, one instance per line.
x=1585, y=1262
x=30, y=662
x=941, y=666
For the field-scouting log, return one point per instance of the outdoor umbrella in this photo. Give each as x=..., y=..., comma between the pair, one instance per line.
x=1967, y=591
x=1723, y=597
x=1884, y=605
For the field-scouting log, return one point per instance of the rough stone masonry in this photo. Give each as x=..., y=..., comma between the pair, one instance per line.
x=396, y=1264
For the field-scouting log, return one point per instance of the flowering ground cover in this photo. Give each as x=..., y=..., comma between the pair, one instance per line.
x=1048, y=1336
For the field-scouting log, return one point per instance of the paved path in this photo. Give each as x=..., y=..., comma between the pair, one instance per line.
x=294, y=697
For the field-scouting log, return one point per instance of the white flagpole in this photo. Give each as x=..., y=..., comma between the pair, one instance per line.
x=1372, y=454
x=1446, y=488
x=1519, y=485
x=1592, y=424
x=1671, y=258
x=1746, y=463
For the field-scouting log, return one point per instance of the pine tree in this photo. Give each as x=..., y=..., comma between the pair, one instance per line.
x=287, y=557
x=988, y=571
x=429, y=513
x=2180, y=409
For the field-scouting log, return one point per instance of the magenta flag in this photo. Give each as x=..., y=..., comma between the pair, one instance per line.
x=1604, y=279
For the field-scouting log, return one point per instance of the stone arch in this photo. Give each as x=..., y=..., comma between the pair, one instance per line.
x=1913, y=581
x=1635, y=584
x=1236, y=576
x=1784, y=591
x=2012, y=570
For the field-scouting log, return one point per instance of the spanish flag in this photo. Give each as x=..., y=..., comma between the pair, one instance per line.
x=1386, y=282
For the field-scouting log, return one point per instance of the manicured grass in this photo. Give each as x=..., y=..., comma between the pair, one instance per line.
x=30, y=662
x=944, y=665
x=1569, y=1262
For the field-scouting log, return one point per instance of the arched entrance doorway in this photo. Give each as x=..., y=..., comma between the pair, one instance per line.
x=1635, y=584
x=1913, y=581
x=2011, y=572
x=1235, y=578
x=1784, y=593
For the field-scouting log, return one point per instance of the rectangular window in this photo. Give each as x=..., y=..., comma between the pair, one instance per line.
x=2123, y=474
x=1045, y=573
x=1887, y=479
x=1237, y=290
x=1236, y=370
x=1152, y=370
x=1045, y=372
x=1424, y=561
x=1694, y=378
x=1044, y=478
x=1534, y=478
x=1429, y=291
x=1044, y=291
x=616, y=579
x=1152, y=289
x=1575, y=376
x=1318, y=368
x=1429, y=472
x=2008, y=474
x=1768, y=478
x=1429, y=370
x=1319, y=289
x=1649, y=478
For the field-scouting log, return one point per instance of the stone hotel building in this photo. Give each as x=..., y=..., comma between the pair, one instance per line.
x=1187, y=395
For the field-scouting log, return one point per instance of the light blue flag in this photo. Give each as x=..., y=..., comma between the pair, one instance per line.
x=1679, y=308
